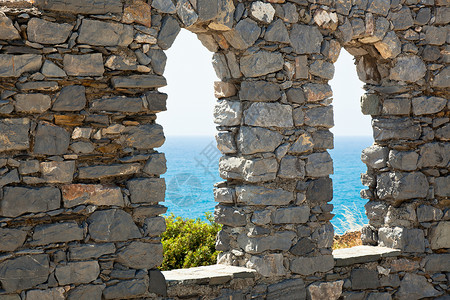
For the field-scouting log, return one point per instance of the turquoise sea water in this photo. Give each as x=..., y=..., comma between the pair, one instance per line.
x=192, y=170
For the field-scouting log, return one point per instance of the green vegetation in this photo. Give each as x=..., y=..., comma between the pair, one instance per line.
x=189, y=243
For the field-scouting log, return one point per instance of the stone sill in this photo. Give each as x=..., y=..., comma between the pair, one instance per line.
x=211, y=275
x=362, y=254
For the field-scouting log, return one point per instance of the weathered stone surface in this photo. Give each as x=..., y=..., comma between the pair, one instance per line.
x=188, y=15
x=100, y=33
x=45, y=32
x=164, y=6
x=86, y=292
x=408, y=240
x=138, y=81
x=10, y=177
x=370, y=104
x=289, y=289
x=58, y=172
x=16, y=65
x=257, y=195
x=231, y=167
x=51, y=139
x=50, y=69
x=428, y=105
x=380, y=7
x=397, y=106
x=144, y=137
x=261, y=63
x=442, y=186
x=434, y=154
x=137, y=12
x=224, y=89
x=139, y=255
x=319, y=164
x=168, y=33
x=48, y=86
x=303, y=144
x=409, y=68
x=375, y=156
x=126, y=289
x=118, y=104
x=291, y=167
x=269, y=114
x=416, y=287
x=402, y=186
x=387, y=129
x=143, y=190
x=227, y=113
x=77, y=194
x=11, y=239
x=260, y=169
x=157, y=102
x=305, y=39
x=82, y=6
x=154, y=226
x=427, y=213
x=71, y=98
x=364, y=279
x=229, y=216
x=320, y=190
x=112, y=226
x=439, y=236
x=310, y=265
x=303, y=247
x=221, y=66
x=57, y=233
x=14, y=134
x=244, y=34
x=252, y=140
x=295, y=215
x=390, y=46
x=105, y=171
x=259, y=91
x=437, y=263
x=325, y=290
x=90, y=251
x=77, y=272
x=295, y=95
x=403, y=160
x=48, y=294
x=277, y=32
x=263, y=12
x=7, y=29
x=24, y=272
x=268, y=265
x=322, y=68
x=320, y=116
x=278, y=241
x=439, y=81
x=84, y=65
x=19, y=200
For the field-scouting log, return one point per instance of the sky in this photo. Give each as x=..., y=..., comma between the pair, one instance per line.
x=191, y=77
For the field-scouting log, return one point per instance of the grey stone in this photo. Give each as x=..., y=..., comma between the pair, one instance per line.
x=435, y=35
x=243, y=35
x=322, y=68
x=90, y=251
x=325, y=290
x=258, y=195
x=224, y=195
x=320, y=116
x=269, y=114
x=439, y=237
x=281, y=240
x=168, y=33
x=118, y=104
x=77, y=272
x=57, y=233
x=229, y=216
x=440, y=80
x=443, y=133
x=380, y=7
x=84, y=65
x=156, y=164
x=20, y=200
x=225, y=142
x=408, y=240
x=231, y=167
x=401, y=19
x=227, y=112
x=437, y=263
x=423, y=16
x=303, y=247
x=142, y=58
x=428, y=105
x=396, y=129
x=86, y=292
x=277, y=32
x=263, y=12
x=50, y=69
x=268, y=265
x=310, y=265
x=58, y=172
x=415, y=287
x=126, y=289
x=24, y=272
x=370, y=104
x=159, y=60
x=233, y=65
x=207, y=10
x=409, y=68
x=7, y=29
x=100, y=33
x=319, y=164
x=123, y=63
x=431, y=53
x=403, y=160
x=220, y=66
x=138, y=81
x=324, y=235
x=364, y=279
x=427, y=213
x=392, y=280
x=260, y=169
x=105, y=171
x=375, y=156
x=259, y=91
x=295, y=95
x=402, y=186
x=187, y=14
x=290, y=289
x=16, y=65
x=303, y=144
x=38, y=86
x=48, y=294
x=376, y=211
x=442, y=15
x=82, y=6
x=139, y=255
x=14, y=134
x=164, y=6
x=305, y=39
x=252, y=140
x=390, y=46
x=291, y=215
x=144, y=137
x=442, y=186
x=71, y=98
x=397, y=106
x=321, y=139
x=157, y=283
x=379, y=296
x=291, y=167
x=51, y=139
x=143, y=190
x=157, y=102
x=434, y=154
x=112, y=226
x=261, y=63
x=319, y=191
x=11, y=239
x=10, y=177
x=45, y=32
x=154, y=226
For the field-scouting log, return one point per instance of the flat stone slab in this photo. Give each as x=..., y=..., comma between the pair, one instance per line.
x=215, y=274
x=362, y=254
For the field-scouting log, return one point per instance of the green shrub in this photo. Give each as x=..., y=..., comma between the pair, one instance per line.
x=189, y=243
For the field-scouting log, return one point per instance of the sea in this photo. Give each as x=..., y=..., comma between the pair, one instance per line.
x=192, y=171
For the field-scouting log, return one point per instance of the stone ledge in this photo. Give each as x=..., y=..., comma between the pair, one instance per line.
x=212, y=275
x=362, y=254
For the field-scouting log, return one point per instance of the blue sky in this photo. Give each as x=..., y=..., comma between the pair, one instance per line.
x=190, y=77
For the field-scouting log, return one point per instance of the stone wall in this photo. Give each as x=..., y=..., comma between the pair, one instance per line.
x=81, y=180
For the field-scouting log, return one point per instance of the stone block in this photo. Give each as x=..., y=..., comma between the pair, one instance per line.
x=252, y=140
x=71, y=98
x=154, y=226
x=439, y=81
x=7, y=29
x=291, y=215
x=32, y=103
x=259, y=91
x=290, y=289
x=156, y=164
x=227, y=113
x=77, y=272
x=408, y=68
x=268, y=265
x=303, y=247
x=269, y=114
x=375, y=156
x=260, y=169
x=10, y=177
x=263, y=12
x=139, y=255
x=118, y=104
x=224, y=195
x=143, y=137
x=20, y=200
x=322, y=69
x=147, y=190
x=57, y=233
x=84, y=65
x=95, y=194
x=402, y=185
x=364, y=279
x=24, y=272
x=416, y=287
x=50, y=69
x=397, y=106
x=157, y=102
x=305, y=39
x=230, y=216
x=325, y=290
x=439, y=236
x=319, y=190
x=442, y=186
x=370, y=104
x=29, y=167
x=58, y=172
x=434, y=155
x=443, y=133
x=14, y=134
x=16, y=65
x=45, y=32
x=277, y=32
x=82, y=6
x=261, y=63
x=11, y=239
x=304, y=143
x=428, y=105
x=258, y=195
x=435, y=263
x=390, y=47
x=395, y=129
x=159, y=60
x=220, y=66
x=90, y=251
x=403, y=160
x=380, y=7
x=408, y=240
x=319, y=164
x=310, y=265
x=243, y=35
x=320, y=116
x=48, y=294
x=100, y=33
x=427, y=213
x=291, y=167
x=226, y=142
x=86, y=292
x=112, y=226
x=126, y=289
x=107, y=171
x=315, y=92
x=157, y=283
x=168, y=33
x=224, y=89
x=137, y=12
